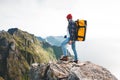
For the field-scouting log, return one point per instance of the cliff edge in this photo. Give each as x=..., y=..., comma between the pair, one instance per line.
x=69, y=71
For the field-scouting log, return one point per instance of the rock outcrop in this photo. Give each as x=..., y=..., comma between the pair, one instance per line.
x=69, y=71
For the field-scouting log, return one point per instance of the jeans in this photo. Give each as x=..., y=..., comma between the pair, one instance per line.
x=64, y=48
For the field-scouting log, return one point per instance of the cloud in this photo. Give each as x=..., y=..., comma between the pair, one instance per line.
x=26, y=14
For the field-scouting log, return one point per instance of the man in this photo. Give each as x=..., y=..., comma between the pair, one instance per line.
x=70, y=39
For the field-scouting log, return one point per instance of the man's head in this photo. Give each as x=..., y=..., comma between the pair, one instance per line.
x=69, y=16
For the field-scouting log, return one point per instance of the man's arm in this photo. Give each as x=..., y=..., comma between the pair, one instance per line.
x=72, y=31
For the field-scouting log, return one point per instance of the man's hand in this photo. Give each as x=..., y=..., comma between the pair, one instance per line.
x=70, y=42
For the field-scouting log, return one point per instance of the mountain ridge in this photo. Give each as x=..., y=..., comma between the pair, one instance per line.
x=54, y=40
x=18, y=50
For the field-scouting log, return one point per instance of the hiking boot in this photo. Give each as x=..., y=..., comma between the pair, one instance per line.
x=64, y=58
x=76, y=61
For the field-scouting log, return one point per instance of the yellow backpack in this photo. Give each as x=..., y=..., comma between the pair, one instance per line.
x=81, y=29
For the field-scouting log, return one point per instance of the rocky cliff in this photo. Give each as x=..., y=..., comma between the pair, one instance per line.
x=69, y=71
x=18, y=50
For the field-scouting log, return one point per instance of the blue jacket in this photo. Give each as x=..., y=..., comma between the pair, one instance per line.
x=72, y=30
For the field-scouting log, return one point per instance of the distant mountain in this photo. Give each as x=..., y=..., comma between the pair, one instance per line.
x=41, y=39
x=54, y=40
x=19, y=49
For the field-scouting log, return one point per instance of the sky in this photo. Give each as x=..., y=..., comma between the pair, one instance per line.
x=48, y=18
